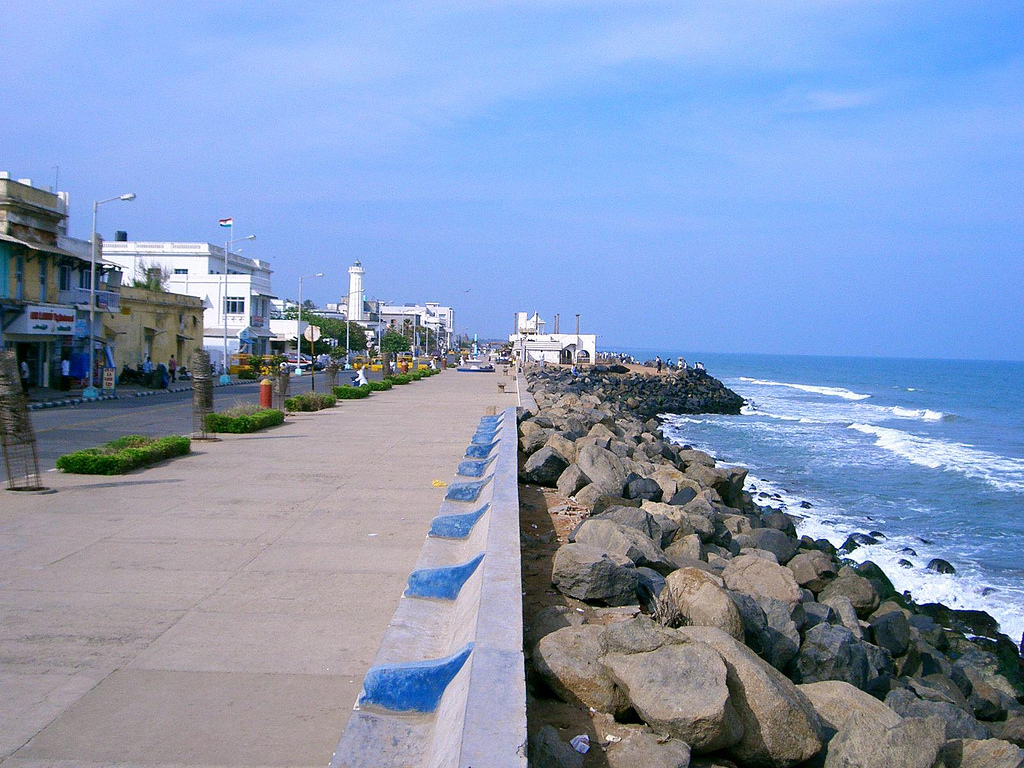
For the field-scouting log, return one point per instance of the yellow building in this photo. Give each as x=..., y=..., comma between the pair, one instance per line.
x=153, y=324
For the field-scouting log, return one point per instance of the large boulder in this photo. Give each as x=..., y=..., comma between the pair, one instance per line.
x=891, y=631
x=686, y=547
x=569, y=662
x=591, y=574
x=836, y=702
x=638, y=487
x=987, y=753
x=680, y=689
x=544, y=467
x=642, y=748
x=549, y=750
x=784, y=620
x=562, y=446
x=847, y=614
x=549, y=620
x=610, y=537
x=780, y=727
x=633, y=517
x=831, y=652
x=779, y=544
x=603, y=468
x=959, y=724
x=571, y=481
x=859, y=590
x=758, y=577
x=813, y=570
x=533, y=440
x=864, y=742
x=700, y=599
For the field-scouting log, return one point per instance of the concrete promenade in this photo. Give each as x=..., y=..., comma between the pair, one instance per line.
x=221, y=609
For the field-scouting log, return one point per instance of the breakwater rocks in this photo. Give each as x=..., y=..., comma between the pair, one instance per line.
x=641, y=395
x=701, y=627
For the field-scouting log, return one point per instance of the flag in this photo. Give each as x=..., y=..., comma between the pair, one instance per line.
x=226, y=222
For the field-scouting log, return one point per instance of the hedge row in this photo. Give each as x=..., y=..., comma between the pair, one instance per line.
x=379, y=386
x=352, y=393
x=123, y=455
x=310, y=401
x=219, y=422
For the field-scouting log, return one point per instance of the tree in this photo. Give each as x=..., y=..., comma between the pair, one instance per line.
x=391, y=344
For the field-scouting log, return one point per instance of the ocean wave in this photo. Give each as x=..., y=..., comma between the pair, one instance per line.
x=964, y=590
x=1001, y=472
x=923, y=414
x=751, y=410
x=817, y=390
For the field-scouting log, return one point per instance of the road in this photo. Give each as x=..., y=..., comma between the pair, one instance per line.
x=62, y=430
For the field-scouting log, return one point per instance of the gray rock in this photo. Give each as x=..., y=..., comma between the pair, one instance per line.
x=813, y=570
x=532, y=441
x=639, y=635
x=571, y=481
x=642, y=748
x=819, y=613
x=836, y=702
x=590, y=574
x=958, y=724
x=649, y=586
x=701, y=600
x=1011, y=729
x=858, y=589
x=562, y=446
x=543, y=468
x=783, y=631
x=680, y=689
x=846, y=612
x=864, y=742
x=568, y=660
x=730, y=486
x=632, y=517
x=610, y=537
x=779, y=544
x=758, y=577
x=780, y=727
x=892, y=632
x=830, y=652
x=642, y=488
x=683, y=496
x=780, y=521
x=549, y=750
x=603, y=468
x=987, y=753
x=549, y=620
x=756, y=634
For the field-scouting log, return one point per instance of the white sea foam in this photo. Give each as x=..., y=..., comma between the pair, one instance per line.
x=1001, y=472
x=828, y=391
x=964, y=590
x=922, y=414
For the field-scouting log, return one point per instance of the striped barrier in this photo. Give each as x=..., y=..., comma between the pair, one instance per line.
x=447, y=688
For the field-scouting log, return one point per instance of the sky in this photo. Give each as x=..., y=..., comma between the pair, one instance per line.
x=841, y=177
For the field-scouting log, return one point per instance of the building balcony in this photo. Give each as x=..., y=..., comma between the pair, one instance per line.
x=105, y=300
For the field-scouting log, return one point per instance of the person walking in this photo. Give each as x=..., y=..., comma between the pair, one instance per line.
x=657, y=363
x=23, y=372
x=65, y=374
x=172, y=368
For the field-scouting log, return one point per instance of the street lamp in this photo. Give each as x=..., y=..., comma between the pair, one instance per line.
x=224, y=375
x=91, y=393
x=298, y=337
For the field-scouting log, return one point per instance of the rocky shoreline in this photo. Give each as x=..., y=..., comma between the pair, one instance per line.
x=698, y=628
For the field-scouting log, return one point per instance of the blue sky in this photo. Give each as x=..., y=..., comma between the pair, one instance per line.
x=839, y=177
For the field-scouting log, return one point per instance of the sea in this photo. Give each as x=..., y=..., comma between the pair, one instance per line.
x=928, y=453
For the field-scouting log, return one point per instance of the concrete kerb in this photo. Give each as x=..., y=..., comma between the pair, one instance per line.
x=526, y=400
x=447, y=687
x=147, y=393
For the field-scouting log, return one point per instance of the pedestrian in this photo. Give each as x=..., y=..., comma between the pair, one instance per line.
x=361, y=377
x=172, y=368
x=147, y=367
x=657, y=363
x=23, y=371
x=65, y=374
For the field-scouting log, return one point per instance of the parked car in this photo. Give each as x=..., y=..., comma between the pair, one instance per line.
x=301, y=362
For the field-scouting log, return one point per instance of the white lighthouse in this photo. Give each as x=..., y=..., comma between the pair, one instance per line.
x=355, y=292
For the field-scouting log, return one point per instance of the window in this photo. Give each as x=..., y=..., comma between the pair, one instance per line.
x=234, y=305
x=43, y=264
x=64, y=277
x=85, y=278
x=19, y=278
x=180, y=271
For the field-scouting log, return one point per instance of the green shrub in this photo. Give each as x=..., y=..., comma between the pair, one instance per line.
x=247, y=373
x=379, y=386
x=124, y=454
x=352, y=393
x=401, y=378
x=310, y=401
x=222, y=422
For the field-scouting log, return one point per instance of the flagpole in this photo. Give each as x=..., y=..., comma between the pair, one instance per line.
x=224, y=377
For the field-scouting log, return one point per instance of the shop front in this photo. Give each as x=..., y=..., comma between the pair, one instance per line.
x=41, y=335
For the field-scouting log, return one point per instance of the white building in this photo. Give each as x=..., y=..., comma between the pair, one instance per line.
x=237, y=298
x=531, y=343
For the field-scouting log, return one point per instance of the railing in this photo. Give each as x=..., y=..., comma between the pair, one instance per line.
x=105, y=300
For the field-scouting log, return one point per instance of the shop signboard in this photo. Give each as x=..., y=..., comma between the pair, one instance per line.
x=109, y=379
x=43, y=320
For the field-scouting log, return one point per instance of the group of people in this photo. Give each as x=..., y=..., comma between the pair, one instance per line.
x=679, y=365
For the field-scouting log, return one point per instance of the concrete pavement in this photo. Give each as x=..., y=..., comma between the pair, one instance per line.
x=221, y=609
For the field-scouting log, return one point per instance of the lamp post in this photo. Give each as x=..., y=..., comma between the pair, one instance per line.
x=298, y=337
x=224, y=375
x=91, y=393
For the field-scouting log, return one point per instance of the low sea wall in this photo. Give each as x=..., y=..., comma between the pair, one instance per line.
x=447, y=687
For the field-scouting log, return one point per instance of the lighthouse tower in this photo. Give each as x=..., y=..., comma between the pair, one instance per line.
x=355, y=292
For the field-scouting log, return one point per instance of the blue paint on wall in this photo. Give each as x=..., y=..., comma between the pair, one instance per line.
x=415, y=686
x=442, y=583
x=465, y=491
x=484, y=437
x=473, y=468
x=479, y=451
x=455, y=526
